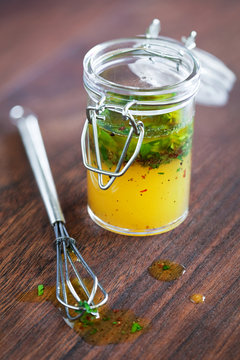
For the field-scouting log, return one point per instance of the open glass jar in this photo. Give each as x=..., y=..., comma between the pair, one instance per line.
x=137, y=139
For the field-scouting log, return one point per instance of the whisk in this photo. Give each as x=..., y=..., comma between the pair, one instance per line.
x=28, y=127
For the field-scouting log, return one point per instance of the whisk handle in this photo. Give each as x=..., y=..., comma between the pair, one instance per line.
x=29, y=130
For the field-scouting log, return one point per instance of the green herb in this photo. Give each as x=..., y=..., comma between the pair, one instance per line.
x=154, y=166
x=136, y=327
x=161, y=173
x=168, y=137
x=93, y=331
x=86, y=307
x=178, y=169
x=86, y=321
x=106, y=318
x=114, y=322
x=40, y=290
x=166, y=267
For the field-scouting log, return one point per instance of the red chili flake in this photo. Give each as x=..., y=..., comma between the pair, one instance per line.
x=160, y=265
x=143, y=176
x=184, y=173
x=116, y=311
x=122, y=128
x=141, y=191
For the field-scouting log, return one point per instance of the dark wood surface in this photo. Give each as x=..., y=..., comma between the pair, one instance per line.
x=42, y=45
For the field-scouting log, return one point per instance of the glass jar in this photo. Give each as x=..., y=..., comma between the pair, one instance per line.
x=137, y=139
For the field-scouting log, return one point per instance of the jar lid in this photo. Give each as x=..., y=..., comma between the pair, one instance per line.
x=156, y=71
x=216, y=79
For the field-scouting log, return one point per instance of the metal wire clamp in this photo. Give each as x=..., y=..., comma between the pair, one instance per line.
x=137, y=127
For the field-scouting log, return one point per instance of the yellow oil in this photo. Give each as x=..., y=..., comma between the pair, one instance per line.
x=143, y=200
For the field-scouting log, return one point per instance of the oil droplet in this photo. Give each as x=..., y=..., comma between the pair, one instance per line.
x=113, y=326
x=197, y=298
x=166, y=270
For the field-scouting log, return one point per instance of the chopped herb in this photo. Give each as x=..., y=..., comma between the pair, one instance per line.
x=136, y=327
x=154, y=166
x=93, y=331
x=178, y=169
x=174, y=138
x=161, y=173
x=166, y=267
x=40, y=290
x=114, y=322
x=106, y=318
x=86, y=307
x=86, y=321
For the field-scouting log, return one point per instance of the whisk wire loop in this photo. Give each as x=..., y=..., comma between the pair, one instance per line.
x=65, y=249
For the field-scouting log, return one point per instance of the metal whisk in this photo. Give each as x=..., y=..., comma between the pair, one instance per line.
x=67, y=251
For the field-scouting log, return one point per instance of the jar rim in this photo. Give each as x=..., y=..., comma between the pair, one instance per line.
x=181, y=90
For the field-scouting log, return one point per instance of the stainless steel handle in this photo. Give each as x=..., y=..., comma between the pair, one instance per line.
x=29, y=130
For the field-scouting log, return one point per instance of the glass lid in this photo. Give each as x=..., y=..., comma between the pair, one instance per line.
x=216, y=80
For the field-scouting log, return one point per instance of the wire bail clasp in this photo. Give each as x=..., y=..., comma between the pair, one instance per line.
x=190, y=41
x=95, y=113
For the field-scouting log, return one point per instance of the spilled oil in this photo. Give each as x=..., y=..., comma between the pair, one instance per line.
x=197, y=298
x=113, y=327
x=166, y=270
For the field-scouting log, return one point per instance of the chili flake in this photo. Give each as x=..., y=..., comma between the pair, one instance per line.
x=184, y=173
x=141, y=191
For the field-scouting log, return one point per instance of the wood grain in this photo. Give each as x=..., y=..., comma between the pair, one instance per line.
x=42, y=45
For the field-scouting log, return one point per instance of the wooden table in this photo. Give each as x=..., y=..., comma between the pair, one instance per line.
x=42, y=45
